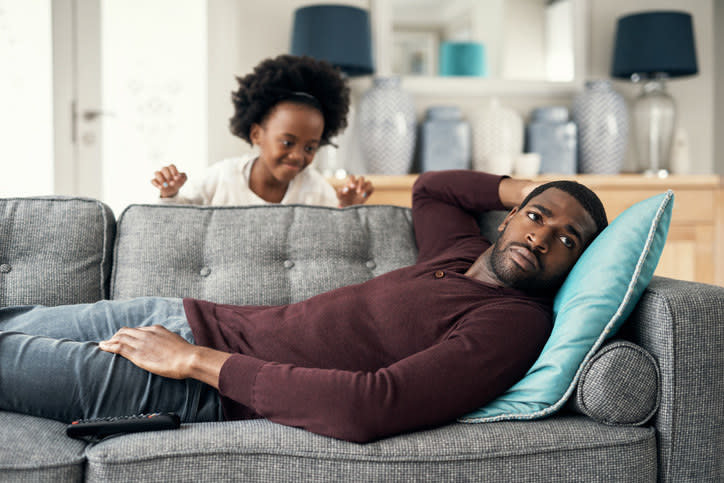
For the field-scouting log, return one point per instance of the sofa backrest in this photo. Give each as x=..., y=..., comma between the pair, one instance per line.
x=263, y=255
x=61, y=250
x=54, y=250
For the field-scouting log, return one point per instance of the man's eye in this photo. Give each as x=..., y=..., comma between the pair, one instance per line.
x=569, y=243
x=533, y=216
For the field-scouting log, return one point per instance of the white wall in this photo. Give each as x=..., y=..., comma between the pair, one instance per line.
x=243, y=32
x=693, y=95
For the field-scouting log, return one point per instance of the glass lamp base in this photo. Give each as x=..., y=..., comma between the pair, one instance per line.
x=654, y=115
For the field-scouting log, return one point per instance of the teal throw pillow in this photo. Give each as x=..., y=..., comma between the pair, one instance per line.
x=596, y=298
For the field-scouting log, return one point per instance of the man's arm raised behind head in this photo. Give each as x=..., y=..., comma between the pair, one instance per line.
x=513, y=191
x=445, y=205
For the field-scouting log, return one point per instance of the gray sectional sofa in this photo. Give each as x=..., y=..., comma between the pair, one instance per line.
x=648, y=407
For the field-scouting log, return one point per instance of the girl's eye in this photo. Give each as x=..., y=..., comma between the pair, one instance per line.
x=286, y=143
x=311, y=149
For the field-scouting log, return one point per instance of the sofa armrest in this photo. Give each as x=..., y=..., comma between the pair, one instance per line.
x=682, y=325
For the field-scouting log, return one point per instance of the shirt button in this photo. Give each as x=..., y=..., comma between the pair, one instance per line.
x=439, y=274
x=205, y=272
x=288, y=264
x=5, y=268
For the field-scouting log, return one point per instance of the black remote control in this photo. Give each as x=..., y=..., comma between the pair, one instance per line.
x=102, y=427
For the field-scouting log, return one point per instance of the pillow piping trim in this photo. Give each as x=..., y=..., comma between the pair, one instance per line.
x=553, y=408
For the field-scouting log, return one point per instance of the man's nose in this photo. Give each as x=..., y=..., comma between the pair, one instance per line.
x=539, y=238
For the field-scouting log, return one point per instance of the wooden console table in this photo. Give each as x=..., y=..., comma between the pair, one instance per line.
x=695, y=245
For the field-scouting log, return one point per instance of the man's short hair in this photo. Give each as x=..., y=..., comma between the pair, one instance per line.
x=587, y=198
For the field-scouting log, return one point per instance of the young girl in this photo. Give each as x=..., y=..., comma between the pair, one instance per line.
x=288, y=108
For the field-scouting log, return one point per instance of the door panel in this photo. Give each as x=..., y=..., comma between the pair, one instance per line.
x=141, y=94
x=96, y=95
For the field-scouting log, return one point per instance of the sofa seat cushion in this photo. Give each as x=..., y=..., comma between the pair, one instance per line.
x=566, y=448
x=54, y=250
x=36, y=449
x=256, y=255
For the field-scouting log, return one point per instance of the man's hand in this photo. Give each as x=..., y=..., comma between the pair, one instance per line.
x=512, y=191
x=160, y=351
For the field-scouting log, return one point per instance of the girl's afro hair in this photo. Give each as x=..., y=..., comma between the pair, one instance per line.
x=283, y=78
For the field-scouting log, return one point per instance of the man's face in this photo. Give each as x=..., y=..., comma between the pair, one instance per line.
x=540, y=242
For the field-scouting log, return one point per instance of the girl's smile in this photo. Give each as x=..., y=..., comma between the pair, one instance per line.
x=288, y=139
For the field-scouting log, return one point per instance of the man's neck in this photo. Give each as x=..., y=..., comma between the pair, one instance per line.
x=480, y=269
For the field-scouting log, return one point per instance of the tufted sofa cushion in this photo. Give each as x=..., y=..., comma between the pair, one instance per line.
x=224, y=254
x=54, y=250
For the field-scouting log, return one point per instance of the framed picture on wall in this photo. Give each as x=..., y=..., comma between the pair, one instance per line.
x=414, y=52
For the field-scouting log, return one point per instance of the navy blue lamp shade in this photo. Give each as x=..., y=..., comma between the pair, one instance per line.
x=656, y=42
x=339, y=34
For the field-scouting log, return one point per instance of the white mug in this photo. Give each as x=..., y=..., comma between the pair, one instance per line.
x=527, y=165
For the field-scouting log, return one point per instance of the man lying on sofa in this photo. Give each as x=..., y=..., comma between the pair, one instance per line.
x=413, y=348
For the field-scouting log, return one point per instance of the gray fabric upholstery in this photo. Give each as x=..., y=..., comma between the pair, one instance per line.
x=54, y=250
x=256, y=255
x=489, y=223
x=618, y=385
x=682, y=325
x=35, y=449
x=59, y=252
x=568, y=448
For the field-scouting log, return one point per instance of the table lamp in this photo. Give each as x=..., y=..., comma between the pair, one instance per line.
x=650, y=48
x=339, y=34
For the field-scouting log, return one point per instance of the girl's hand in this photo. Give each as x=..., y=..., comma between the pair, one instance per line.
x=355, y=191
x=168, y=180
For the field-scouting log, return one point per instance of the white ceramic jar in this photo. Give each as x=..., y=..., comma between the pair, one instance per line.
x=497, y=138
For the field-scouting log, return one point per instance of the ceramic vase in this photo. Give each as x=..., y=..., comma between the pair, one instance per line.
x=602, y=121
x=444, y=140
x=553, y=135
x=497, y=138
x=387, y=127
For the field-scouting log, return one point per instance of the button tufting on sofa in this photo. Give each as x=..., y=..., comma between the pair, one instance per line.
x=678, y=322
x=288, y=264
x=5, y=268
x=371, y=264
x=205, y=272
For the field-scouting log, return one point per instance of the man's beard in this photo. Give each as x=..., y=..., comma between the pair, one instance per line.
x=509, y=273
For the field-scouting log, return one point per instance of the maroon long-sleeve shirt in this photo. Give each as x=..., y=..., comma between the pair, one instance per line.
x=416, y=347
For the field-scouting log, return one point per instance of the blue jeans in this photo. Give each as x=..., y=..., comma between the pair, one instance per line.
x=51, y=366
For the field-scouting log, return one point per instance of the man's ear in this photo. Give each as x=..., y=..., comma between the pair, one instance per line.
x=507, y=219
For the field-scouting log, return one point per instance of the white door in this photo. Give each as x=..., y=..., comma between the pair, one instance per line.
x=129, y=95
